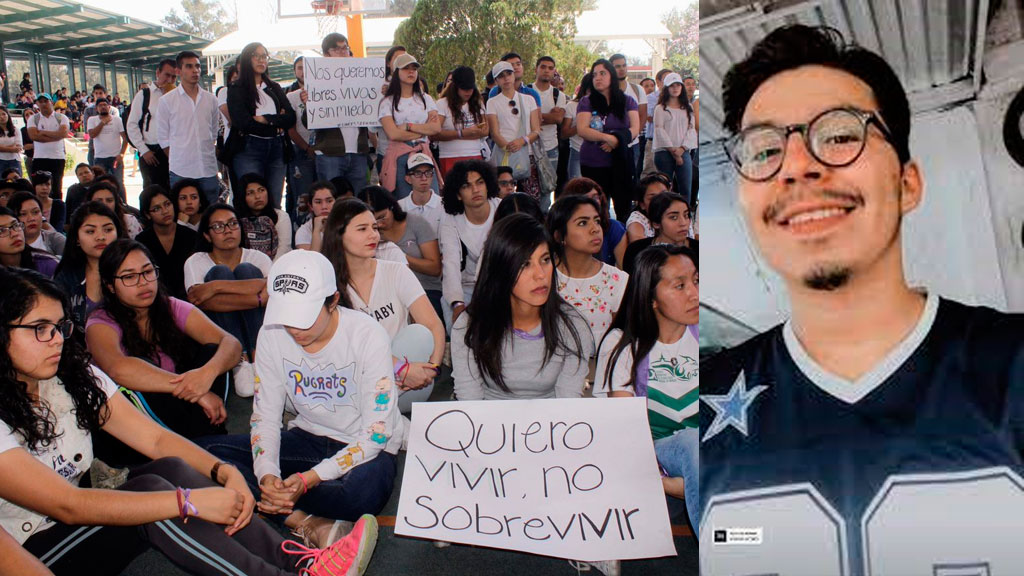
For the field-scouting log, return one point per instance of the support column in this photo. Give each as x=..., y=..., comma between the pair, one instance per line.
x=6, y=93
x=71, y=77
x=113, y=79
x=33, y=70
x=46, y=72
x=81, y=74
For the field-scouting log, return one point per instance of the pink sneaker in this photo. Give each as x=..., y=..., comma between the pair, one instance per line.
x=346, y=557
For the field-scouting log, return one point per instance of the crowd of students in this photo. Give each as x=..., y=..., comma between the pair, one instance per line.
x=334, y=300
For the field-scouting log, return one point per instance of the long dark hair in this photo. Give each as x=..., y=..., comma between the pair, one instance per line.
x=341, y=214
x=23, y=290
x=74, y=258
x=28, y=253
x=581, y=186
x=188, y=183
x=617, y=103
x=204, y=245
x=585, y=88
x=561, y=215
x=8, y=128
x=163, y=334
x=664, y=97
x=240, y=204
x=475, y=102
x=378, y=198
x=507, y=250
x=636, y=317
x=394, y=92
x=246, y=81
x=112, y=188
x=148, y=194
x=387, y=59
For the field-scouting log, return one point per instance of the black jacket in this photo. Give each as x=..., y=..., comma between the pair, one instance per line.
x=242, y=115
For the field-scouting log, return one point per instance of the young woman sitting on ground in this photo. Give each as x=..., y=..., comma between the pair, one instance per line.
x=191, y=202
x=93, y=227
x=27, y=208
x=671, y=217
x=15, y=252
x=170, y=242
x=51, y=400
x=266, y=228
x=310, y=236
x=106, y=191
x=613, y=249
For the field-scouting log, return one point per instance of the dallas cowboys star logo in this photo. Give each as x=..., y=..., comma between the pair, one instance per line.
x=731, y=409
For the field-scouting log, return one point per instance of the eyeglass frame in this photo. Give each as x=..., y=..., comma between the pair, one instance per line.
x=866, y=118
x=6, y=231
x=232, y=225
x=140, y=275
x=421, y=173
x=65, y=325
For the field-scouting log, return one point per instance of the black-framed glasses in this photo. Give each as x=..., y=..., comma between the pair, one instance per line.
x=220, y=227
x=45, y=331
x=835, y=138
x=422, y=173
x=512, y=104
x=133, y=278
x=11, y=228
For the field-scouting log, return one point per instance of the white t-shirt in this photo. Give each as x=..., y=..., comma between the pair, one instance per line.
x=390, y=252
x=11, y=141
x=549, y=132
x=431, y=211
x=108, y=143
x=346, y=391
x=456, y=231
x=304, y=235
x=512, y=126
x=199, y=264
x=597, y=298
x=457, y=148
x=570, y=112
x=49, y=150
x=410, y=109
x=70, y=455
x=295, y=99
x=222, y=100
x=394, y=290
x=264, y=103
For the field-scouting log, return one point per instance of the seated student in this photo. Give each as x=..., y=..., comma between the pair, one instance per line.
x=76, y=193
x=29, y=210
x=671, y=217
x=266, y=228
x=518, y=338
x=344, y=188
x=516, y=203
x=593, y=287
x=639, y=226
x=44, y=454
x=469, y=198
x=16, y=561
x=49, y=200
x=422, y=201
x=106, y=191
x=322, y=197
x=506, y=182
x=170, y=243
x=227, y=280
x=389, y=292
x=150, y=342
x=9, y=188
x=191, y=203
x=93, y=227
x=336, y=459
x=658, y=324
x=14, y=251
x=412, y=235
x=614, y=247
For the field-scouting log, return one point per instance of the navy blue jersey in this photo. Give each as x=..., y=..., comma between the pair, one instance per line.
x=913, y=469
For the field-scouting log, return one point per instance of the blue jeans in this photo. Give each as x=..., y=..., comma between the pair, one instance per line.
x=574, y=163
x=365, y=489
x=352, y=166
x=209, y=186
x=300, y=175
x=242, y=324
x=6, y=165
x=117, y=173
x=679, y=455
x=680, y=174
x=263, y=156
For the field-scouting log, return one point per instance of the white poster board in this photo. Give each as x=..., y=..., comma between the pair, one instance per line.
x=343, y=91
x=570, y=478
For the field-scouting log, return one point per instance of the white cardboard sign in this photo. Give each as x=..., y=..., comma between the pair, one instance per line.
x=343, y=92
x=570, y=478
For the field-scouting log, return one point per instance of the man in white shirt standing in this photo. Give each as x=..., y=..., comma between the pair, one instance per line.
x=552, y=111
x=48, y=129
x=142, y=130
x=187, y=121
x=636, y=93
x=106, y=132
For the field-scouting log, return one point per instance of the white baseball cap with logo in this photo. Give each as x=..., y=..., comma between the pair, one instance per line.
x=418, y=159
x=298, y=284
x=672, y=78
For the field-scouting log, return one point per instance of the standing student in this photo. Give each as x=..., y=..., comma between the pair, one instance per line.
x=301, y=171
x=674, y=119
x=93, y=227
x=464, y=125
x=470, y=198
x=652, y=350
x=322, y=197
x=671, y=216
x=260, y=115
x=14, y=251
x=108, y=138
x=142, y=130
x=569, y=128
x=11, y=145
x=390, y=293
x=228, y=282
x=26, y=139
x=191, y=202
x=518, y=338
x=607, y=120
x=408, y=116
x=593, y=287
x=45, y=452
x=266, y=228
x=515, y=123
x=170, y=243
x=552, y=112
x=47, y=130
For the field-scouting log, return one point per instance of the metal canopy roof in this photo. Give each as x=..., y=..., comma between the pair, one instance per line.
x=62, y=28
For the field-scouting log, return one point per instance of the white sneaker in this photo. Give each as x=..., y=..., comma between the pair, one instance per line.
x=244, y=377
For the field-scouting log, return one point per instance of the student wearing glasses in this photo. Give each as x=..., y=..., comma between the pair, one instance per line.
x=227, y=280
x=170, y=242
x=408, y=116
x=506, y=182
x=14, y=251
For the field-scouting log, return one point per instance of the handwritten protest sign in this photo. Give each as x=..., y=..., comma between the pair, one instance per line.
x=343, y=91
x=572, y=478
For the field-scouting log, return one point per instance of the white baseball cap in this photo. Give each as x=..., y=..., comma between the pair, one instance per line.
x=673, y=78
x=298, y=284
x=418, y=159
x=500, y=67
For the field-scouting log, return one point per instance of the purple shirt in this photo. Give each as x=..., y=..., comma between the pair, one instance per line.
x=590, y=152
x=179, y=311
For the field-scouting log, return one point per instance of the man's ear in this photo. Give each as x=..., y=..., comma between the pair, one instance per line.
x=911, y=187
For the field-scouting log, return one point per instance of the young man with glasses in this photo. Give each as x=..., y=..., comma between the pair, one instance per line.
x=422, y=201
x=506, y=183
x=879, y=430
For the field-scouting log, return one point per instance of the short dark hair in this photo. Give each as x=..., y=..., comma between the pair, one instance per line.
x=166, y=62
x=96, y=87
x=689, y=77
x=647, y=181
x=186, y=55
x=545, y=59
x=617, y=56
x=489, y=78
x=458, y=175
x=797, y=45
x=152, y=191
x=504, y=170
x=323, y=185
x=661, y=74
x=83, y=165
x=660, y=204
x=330, y=41
x=510, y=55
x=378, y=198
x=518, y=203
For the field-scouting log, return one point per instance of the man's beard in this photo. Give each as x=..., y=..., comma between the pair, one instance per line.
x=828, y=278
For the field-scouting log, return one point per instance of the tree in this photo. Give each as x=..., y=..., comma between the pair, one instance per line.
x=203, y=18
x=443, y=34
x=683, y=47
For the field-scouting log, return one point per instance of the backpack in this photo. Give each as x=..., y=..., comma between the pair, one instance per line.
x=144, y=120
